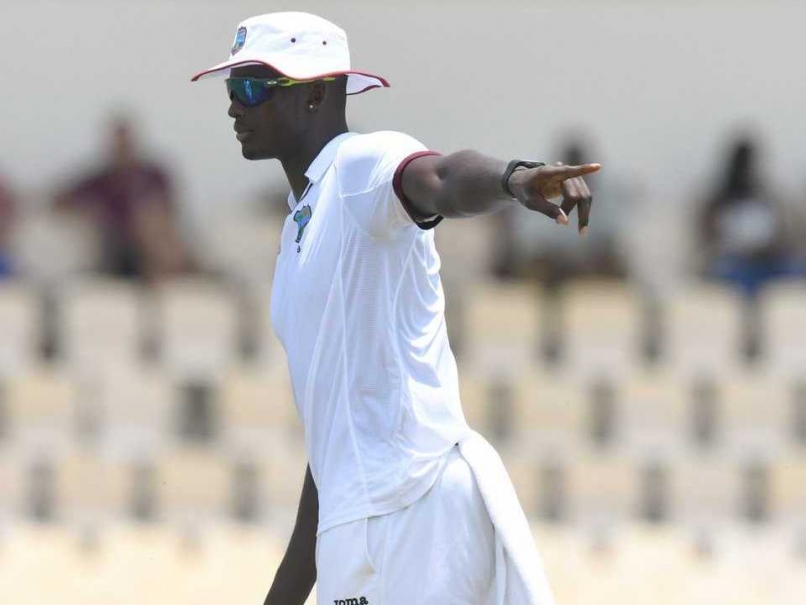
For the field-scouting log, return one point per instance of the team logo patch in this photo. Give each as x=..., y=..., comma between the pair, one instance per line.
x=240, y=40
x=302, y=218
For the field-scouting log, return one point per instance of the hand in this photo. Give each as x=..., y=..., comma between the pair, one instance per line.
x=534, y=187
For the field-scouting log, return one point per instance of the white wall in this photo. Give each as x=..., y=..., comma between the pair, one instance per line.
x=658, y=86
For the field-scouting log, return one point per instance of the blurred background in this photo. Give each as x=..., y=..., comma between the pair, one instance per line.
x=646, y=386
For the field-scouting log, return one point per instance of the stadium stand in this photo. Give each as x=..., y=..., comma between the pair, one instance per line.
x=635, y=475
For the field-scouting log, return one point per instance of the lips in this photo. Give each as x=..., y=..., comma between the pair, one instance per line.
x=241, y=133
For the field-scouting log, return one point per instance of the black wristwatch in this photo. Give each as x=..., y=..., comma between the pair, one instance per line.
x=511, y=168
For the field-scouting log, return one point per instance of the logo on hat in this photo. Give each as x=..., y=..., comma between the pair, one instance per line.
x=240, y=40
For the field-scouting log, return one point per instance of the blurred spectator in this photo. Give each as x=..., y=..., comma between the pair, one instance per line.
x=131, y=200
x=532, y=246
x=7, y=214
x=743, y=227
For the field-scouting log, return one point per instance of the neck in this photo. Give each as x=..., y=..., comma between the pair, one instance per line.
x=296, y=164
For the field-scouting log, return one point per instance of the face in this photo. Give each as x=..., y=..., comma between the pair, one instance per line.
x=272, y=129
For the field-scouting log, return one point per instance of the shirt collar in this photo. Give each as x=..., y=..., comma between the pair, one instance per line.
x=322, y=162
x=325, y=158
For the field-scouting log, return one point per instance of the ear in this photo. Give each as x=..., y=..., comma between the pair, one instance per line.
x=316, y=95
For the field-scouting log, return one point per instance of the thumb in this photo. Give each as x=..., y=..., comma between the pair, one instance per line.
x=553, y=211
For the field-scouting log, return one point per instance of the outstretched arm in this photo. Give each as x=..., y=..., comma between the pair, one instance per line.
x=468, y=183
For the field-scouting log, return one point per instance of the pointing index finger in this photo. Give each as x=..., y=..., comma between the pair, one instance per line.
x=569, y=172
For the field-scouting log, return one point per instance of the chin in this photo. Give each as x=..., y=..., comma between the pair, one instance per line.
x=250, y=153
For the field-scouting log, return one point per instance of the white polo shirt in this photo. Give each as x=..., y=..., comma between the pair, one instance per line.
x=358, y=305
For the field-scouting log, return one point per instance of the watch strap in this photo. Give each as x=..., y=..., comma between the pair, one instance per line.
x=511, y=167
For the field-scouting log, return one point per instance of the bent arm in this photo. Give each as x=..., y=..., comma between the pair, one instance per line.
x=297, y=573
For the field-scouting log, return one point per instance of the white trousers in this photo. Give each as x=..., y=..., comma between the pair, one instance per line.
x=441, y=549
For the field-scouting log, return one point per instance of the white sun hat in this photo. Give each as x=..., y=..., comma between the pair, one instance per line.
x=300, y=46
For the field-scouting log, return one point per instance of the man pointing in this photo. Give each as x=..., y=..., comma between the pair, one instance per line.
x=397, y=505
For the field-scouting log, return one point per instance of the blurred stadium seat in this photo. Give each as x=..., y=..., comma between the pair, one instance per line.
x=757, y=412
x=552, y=412
x=474, y=394
x=654, y=413
x=523, y=470
x=42, y=410
x=79, y=486
x=705, y=396
x=258, y=409
x=543, y=481
x=706, y=489
x=563, y=412
x=197, y=328
x=502, y=323
x=244, y=249
x=84, y=491
x=11, y=484
x=51, y=249
x=268, y=350
x=603, y=327
x=654, y=498
x=603, y=488
x=703, y=329
x=489, y=404
x=466, y=249
x=37, y=485
x=194, y=485
x=783, y=319
x=138, y=410
x=20, y=328
x=797, y=424
x=788, y=488
x=247, y=492
x=284, y=475
x=102, y=323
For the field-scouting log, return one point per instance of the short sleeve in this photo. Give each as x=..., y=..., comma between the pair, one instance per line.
x=368, y=169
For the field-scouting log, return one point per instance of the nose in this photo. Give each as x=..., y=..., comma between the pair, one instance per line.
x=235, y=108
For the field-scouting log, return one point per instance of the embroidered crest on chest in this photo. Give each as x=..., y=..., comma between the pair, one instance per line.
x=302, y=217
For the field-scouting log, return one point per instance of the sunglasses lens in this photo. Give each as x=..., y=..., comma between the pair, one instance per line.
x=249, y=93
